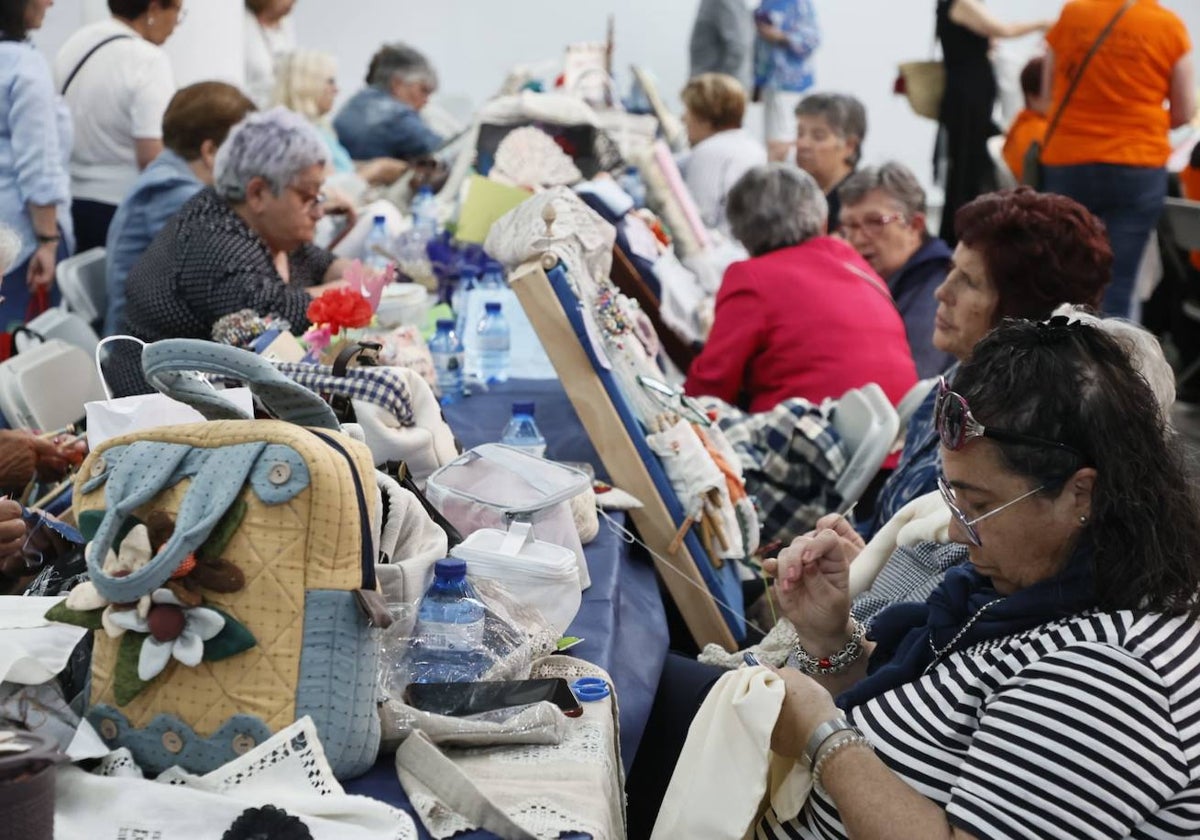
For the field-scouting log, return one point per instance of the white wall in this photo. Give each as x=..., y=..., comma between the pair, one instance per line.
x=473, y=43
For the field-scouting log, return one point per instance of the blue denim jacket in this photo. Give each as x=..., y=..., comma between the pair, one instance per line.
x=375, y=124
x=35, y=144
x=159, y=191
x=787, y=66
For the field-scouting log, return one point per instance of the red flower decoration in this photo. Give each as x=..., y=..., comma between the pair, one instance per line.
x=341, y=309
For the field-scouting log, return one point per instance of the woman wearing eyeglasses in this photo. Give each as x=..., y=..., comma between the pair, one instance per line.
x=243, y=243
x=883, y=217
x=1047, y=689
x=1020, y=254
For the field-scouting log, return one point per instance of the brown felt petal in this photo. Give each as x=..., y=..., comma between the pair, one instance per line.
x=187, y=595
x=219, y=575
x=161, y=526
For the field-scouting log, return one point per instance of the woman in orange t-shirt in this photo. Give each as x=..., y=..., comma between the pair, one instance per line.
x=1110, y=149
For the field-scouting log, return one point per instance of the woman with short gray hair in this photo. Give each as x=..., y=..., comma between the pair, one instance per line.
x=243, y=243
x=830, y=130
x=805, y=316
x=883, y=217
x=383, y=119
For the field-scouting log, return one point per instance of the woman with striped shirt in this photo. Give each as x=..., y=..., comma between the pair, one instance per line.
x=1051, y=688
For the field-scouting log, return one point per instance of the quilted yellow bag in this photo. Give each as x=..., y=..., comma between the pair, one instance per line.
x=232, y=568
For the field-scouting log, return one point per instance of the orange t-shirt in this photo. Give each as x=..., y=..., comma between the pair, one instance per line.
x=1116, y=114
x=1189, y=179
x=1029, y=127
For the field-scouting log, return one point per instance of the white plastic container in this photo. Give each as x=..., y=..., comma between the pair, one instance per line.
x=403, y=304
x=538, y=574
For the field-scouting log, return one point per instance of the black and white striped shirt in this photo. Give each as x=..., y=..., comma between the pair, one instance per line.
x=1087, y=727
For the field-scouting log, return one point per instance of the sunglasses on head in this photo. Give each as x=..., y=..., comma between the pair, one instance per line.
x=956, y=425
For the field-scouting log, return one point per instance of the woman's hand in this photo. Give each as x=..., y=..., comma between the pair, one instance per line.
x=806, y=705
x=42, y=265
x=812, y=583
x=852, y=541
x=772, y=34
x=22, y=455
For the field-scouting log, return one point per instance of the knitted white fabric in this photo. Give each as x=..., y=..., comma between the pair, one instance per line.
x=924, y=519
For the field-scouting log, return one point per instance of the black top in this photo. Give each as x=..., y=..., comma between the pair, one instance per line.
x=207, y=263
x=961, y=48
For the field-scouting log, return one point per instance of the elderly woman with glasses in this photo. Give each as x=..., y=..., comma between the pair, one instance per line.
x=883, y=217
x=804, y=316
x=1020, y=254
x=243, y=243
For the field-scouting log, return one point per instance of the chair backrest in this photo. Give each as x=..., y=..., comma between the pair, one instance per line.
x=28, y=402
x=1184, y=218
x=81, y=279
x=1005, y=177
x=57, y=322
x=912, y=400
x=867, y=427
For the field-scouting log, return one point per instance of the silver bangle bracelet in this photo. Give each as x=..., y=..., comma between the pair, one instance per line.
x=833, y=746
x=837, y=662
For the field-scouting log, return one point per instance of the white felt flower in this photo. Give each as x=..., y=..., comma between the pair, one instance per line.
x=173, y=630
x=135, y=553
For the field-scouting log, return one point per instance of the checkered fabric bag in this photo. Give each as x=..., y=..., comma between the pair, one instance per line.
x=232, y=573
x=791, y=458
x=399, y=414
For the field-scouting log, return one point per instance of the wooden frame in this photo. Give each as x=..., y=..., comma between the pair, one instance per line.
x=604, y=424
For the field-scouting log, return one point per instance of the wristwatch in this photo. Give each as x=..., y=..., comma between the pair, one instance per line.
x=822, y=733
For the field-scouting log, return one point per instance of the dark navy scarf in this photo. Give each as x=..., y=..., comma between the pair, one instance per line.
x=903, y=632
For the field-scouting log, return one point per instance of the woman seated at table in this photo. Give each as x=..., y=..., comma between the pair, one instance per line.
x=722, y=151
x=384, y=118
x=805, y=316
x=243, y=243
x=830, y=129
x=1020, y=254
x=1061, y=666
x=883, y=217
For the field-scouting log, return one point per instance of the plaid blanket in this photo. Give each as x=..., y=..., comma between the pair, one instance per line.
x=791, y=457
x=380, y=386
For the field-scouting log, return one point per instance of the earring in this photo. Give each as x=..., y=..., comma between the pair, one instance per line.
x=149, y=21
x=1083, y=520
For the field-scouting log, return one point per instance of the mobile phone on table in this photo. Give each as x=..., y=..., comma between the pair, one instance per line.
x=470, y=698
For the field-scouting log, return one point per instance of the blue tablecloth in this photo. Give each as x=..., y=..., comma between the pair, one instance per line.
x=621, y=618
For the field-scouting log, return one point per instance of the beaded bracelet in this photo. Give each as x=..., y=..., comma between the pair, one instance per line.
x=834, y=663
x=847, y=740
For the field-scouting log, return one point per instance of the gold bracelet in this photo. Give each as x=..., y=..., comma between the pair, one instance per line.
x=847, y=740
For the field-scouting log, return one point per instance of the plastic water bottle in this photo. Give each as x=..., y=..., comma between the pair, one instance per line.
x=493, y=276
x=377, y=244
x=460, y=300
x=448, y=639
x=522, y=432
x=424, y=212
x=631, y=182
x=493, y=341
x=447, y=353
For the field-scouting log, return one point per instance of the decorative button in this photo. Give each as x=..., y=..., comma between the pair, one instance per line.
x=98, y=467
x=108, y=729
x=243, y=743
x=172, y=742
x=280, y=473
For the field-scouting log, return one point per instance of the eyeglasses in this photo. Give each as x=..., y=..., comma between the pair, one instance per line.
x=968, y=525
x=955, y=425
x=311, y=201
x=871, y=225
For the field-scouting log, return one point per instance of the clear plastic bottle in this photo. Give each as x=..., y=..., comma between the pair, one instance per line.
x=631, y=182
x=492, y=343
x=448, y=639
x=460, y=302
x=377, y=245
x=447, y=352
x=424, y=213
x=522, y=431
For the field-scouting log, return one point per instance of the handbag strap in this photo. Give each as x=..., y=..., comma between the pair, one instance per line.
x=86, y=56
x=1104, y=33
x=420, y=758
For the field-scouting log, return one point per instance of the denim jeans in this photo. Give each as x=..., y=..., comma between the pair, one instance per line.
x=1129, y=200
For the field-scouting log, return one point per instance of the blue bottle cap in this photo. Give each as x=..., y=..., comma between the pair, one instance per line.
x=492, y=306
x=380, y=220
x=523, y=408
x=450, y=567
x=590, y=689
x=446, y=324
x=468, y=271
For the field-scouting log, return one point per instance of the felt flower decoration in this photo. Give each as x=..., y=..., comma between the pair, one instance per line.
x=368, y=282
x=174, y=630
x=340, y=309
x=135, y=552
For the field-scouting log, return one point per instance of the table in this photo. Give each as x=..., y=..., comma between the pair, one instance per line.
x=621, y=618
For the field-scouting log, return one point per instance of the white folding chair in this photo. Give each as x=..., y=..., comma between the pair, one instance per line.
x=912, y=400
x=1005, y=177
x=867, y=424
x=81, y=279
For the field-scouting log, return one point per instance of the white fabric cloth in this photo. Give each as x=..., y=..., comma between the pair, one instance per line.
x=118, y=96
x=924, y=519
x=714, y=166
x=32, y=649
x=289, y=771
x=263, y=47
x=727, y=768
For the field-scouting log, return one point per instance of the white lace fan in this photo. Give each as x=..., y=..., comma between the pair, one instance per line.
x=529, y=157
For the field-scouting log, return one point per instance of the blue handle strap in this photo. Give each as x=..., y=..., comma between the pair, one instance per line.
x=146, y=468
x=169, y=366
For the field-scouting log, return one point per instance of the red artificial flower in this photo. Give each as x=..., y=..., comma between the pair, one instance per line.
x=341, y=309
